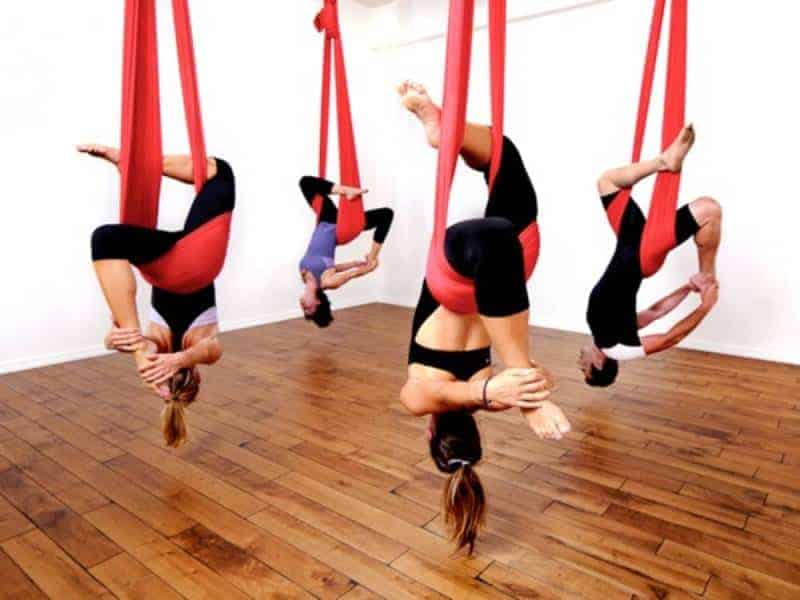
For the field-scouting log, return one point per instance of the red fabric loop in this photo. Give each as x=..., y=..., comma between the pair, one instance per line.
x=452, y=290
x=196, y=260
x=659, y=232
x=351, y=219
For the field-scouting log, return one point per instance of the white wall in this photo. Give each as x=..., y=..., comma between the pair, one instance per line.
x=573, y=82
x=259, y=71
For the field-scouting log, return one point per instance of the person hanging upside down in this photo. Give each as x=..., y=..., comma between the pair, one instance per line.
x=450, y=375
x=318, y=268
x=183, y=327
x=612, y=313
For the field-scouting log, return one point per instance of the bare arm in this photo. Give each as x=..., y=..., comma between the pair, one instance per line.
x=338, y=279
x=432, y=397
x=349, y=265
x=664, y=306
x=207, y=352
x=521, y=388
x=658, y=343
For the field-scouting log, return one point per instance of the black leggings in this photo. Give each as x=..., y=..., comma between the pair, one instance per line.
x=140, y=245
x=379, y=219
x=488, y=250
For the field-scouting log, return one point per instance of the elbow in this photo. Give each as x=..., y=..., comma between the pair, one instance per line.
x=412, y=401
x=215, y=353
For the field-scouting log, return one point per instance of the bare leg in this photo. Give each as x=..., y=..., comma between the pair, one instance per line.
x=176, y=166
x=119, y=287
x=476, y=149
x=708, y=214
x=509, y=337
x=670, y=160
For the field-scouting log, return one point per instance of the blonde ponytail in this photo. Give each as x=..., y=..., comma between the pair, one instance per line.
x=464, y=506
x=183, y=389
x=173, y=423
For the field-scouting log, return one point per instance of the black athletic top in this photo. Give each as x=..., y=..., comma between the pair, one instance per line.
x=612, y=314
x=180, y=311
x=462, y=364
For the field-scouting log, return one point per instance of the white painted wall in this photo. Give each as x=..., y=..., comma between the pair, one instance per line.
x=573, y=82
x=259, y=65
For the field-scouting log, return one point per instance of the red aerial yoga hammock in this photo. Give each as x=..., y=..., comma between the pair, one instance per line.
x=452, y=290
x=196, y=259
x=351, y=221
x=659, y=232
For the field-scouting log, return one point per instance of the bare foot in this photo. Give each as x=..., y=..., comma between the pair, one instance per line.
x=100, y=151
x=672, y=158
x=548, y=421
x=416, y=99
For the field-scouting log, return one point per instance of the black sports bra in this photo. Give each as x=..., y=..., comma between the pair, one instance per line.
x=462, y=364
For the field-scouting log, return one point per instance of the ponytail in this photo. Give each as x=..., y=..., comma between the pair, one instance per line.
x=183, y=389
x=173, y=423
x=455, y=447
x=464, y=507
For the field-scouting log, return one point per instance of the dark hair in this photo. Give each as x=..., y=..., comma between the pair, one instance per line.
x=323, y=316
x=606, y=376
x=455, y=448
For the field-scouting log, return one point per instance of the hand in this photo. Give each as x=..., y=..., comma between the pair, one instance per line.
x=100, y=151
x=370, y=263
x=519, y=388
x=700, y=281
x=710, y=295
x=160, y=368
x=124, y=340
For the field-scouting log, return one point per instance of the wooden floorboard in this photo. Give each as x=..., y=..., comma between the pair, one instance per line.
x=305, y=478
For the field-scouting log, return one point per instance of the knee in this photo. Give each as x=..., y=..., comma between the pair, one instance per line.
x=604, y=184
x=103, y=242
x=707, y=210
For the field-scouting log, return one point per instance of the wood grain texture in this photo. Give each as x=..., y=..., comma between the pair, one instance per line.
x=305, y=478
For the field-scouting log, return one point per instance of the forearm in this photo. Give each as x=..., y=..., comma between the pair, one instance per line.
x=206, y=352
x=664, y=306
x=674, y=336
x=423, y=397
x=181, y=168
x=375, y=250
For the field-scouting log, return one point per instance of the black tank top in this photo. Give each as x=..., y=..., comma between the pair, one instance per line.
x=462, y=364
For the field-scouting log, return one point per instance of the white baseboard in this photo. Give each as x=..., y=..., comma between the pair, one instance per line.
x=54, y=358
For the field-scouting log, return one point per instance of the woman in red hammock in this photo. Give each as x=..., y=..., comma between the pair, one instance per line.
x=612, y=315
x=318, y=268
x=183, y=327
x=450, y=374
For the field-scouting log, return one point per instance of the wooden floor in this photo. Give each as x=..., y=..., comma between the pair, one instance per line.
x=305, y=478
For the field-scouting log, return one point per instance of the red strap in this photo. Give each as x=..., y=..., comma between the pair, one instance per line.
x=659, y=234
x=351, y=219
x=451, y=289
x=196, y=260
x=141, y=154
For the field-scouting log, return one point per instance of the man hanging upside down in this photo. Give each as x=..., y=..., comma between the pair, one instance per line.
x=612, y=314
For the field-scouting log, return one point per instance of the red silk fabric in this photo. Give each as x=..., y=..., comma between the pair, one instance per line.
x=351, y=220
x=659, y=232
x=452, y=290
x=196, y=260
